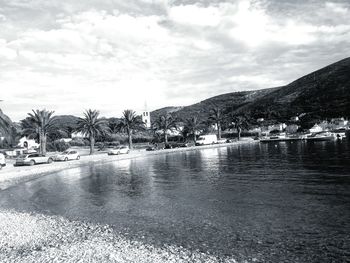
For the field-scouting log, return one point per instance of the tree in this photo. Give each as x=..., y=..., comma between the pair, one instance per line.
x=165, y=123
x=5, y=124
x=92, y=126
x=239, y=122
x=192, y=126
x=129, y=123
x=39, y=123
x=217, y=117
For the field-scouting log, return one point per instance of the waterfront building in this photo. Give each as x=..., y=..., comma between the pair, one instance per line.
x=27, y=143
x=339, y=123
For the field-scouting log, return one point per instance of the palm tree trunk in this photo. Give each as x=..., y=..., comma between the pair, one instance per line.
x=239, y=133
x=43, y=144
x=92, y=144
x=130, y=139
x=165, y=137
x=219, y=130
x=194, y=137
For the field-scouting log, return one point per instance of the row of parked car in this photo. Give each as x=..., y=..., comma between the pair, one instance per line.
x=37, y=158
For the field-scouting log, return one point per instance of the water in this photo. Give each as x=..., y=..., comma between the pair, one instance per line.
x=273, y=202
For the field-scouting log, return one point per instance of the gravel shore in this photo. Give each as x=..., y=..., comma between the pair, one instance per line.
x=38, y=238
x=10, y=175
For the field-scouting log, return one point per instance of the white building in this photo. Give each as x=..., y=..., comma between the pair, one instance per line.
x=78, y=135
x=27, y=143
x=277, y=127
x=339, y=123
x=146, y=118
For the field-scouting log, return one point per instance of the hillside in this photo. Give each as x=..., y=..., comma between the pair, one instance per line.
x=66, y=122
x=202, y=109
x=322, y=94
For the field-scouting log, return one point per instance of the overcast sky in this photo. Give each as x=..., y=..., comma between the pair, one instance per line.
x=111, y=55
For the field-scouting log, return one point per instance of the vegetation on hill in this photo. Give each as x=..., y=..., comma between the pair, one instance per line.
x=322, y=94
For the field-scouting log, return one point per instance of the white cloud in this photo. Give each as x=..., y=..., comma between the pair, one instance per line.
x=115, y=55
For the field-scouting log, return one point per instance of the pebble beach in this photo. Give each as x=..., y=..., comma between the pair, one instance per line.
x=33, y=238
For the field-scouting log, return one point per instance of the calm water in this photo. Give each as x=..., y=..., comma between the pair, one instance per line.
x=274, y=202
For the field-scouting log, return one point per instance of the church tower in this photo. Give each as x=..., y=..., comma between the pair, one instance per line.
x=146, y=117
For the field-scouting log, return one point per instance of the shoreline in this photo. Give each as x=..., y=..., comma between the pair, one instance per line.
x=30, y=237
x=11, y=176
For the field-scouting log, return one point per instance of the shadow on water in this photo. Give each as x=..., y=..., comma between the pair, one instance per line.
x=274, y=202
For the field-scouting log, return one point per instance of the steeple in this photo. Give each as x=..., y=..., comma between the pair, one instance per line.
x=146, y=117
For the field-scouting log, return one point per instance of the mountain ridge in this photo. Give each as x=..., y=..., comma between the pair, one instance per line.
x=324, y=93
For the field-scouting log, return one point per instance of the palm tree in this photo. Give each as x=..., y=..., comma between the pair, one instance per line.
x=165, y=123
x=239, y=122
x=92, y=126
x=192, y=126
x=217, y=117
x=5, y=123
x=39, y=123
x=129, y=123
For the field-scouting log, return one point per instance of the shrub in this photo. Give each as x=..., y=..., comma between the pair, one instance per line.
x=100, y=145
x=78, y=142
x=113, y=144
x=57, y=146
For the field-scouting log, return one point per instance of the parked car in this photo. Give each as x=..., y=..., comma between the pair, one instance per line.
x=67, y=155
x=33, y=158
x=207, y=139
x=2, y=161
x=119, y=150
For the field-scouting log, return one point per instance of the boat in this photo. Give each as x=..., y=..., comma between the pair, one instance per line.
x=281, y=138
x=322, y=136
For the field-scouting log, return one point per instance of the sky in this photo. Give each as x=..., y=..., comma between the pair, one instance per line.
x=112, y=55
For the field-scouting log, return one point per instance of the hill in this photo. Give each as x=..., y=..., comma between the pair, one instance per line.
x=322, y=94
x=66, y=122
x=202, y=109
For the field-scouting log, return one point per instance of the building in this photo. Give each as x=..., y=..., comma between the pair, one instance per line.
x=27, y=143
x=146, y=118
x=339, y=123
x=277, y=127
x=79, y=135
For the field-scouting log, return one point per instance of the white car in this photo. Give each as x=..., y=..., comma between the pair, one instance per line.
x=119, y=150
x=33, y=158
x=207, y=139
x=2, y=160
x=67, y=155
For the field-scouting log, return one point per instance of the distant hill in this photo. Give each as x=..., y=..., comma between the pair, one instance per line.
x=322, y=94
x=66, y=122
x=202, y=109
x=163, y=111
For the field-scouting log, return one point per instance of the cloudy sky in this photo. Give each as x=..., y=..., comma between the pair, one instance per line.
x=115, y=54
